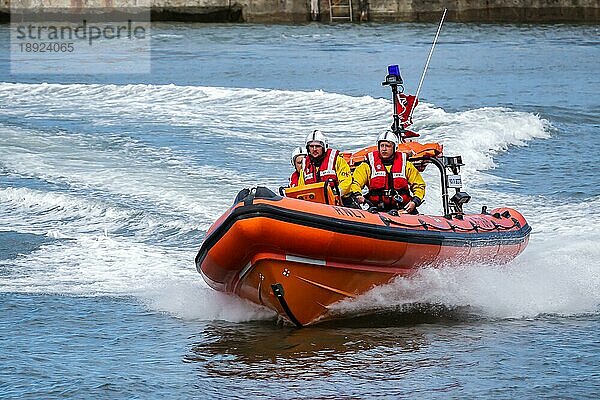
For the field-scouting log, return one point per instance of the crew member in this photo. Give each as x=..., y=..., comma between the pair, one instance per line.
x=323, y=163
x=298, y=155
x=392, y=180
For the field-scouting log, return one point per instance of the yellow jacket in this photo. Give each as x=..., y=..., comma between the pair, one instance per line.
x=362, y=177
x=342, y=170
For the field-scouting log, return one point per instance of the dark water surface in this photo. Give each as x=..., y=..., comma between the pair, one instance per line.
x=109, y=183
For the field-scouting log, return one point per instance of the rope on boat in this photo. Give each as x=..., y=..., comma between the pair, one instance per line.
x=451, y=227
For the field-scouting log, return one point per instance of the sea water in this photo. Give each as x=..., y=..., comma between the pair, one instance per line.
x=108, y=184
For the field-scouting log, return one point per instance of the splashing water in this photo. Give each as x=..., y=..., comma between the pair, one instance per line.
x=126, y=181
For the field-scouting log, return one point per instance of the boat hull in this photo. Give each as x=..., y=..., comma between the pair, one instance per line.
x=298, y=258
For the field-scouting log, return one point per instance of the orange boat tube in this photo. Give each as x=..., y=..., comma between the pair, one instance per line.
x=298, y=257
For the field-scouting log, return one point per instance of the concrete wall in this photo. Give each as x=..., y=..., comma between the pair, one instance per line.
x=294, y=11
x=275, y=10
x=486, y=10
x=298, y=11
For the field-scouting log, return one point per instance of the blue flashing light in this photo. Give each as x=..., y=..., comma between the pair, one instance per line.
x=393, y=70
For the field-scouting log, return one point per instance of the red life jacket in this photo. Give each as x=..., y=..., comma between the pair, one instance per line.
x=294, y=179
x=326, y=169
x=386, y=186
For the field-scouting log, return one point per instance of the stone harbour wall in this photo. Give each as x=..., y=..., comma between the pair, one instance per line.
x=302, y=11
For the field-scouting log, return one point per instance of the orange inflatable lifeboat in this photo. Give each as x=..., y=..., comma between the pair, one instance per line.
x=300, y=251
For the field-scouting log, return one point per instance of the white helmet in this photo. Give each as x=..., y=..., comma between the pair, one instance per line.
x=388, y=136
x=298, y=151
x=317, y=136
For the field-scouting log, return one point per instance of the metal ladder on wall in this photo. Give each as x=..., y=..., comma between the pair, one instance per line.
x=343, y=10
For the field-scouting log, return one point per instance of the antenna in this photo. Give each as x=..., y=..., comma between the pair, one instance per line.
x=437, y=34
